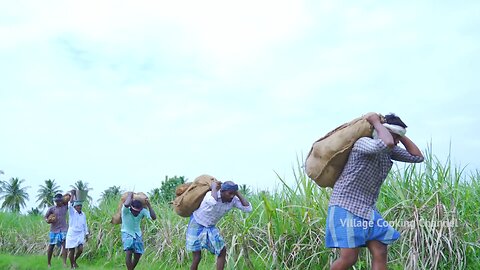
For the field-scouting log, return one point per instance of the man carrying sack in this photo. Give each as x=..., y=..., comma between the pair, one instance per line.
x=77, y=230
x=56, y=216
x=356, y=191
x=132, y=214
x=202, y=232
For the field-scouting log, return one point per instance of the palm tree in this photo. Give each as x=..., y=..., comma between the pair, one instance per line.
x=1, y=172
x=80, y=185
x=46, y=193
x=245, y=190
x=34, y=212
x=111, y=192
x=13, y=194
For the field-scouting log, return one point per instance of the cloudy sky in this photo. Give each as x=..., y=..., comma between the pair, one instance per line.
x=127, y=92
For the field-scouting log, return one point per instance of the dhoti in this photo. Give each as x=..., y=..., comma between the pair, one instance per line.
x=74, y=239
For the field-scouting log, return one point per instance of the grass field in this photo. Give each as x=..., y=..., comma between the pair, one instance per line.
x=434, y=205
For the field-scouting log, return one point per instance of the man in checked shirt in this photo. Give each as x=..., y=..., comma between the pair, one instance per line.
x=353, y=220
x=202, y=232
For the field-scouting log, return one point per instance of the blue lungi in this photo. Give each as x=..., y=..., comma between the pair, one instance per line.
x=346, y=230
x=132, y=242
x=57, y=238
x=199, y=237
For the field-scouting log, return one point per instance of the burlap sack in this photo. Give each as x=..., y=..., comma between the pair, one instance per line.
x=181, y=189
x=51, y=218
x=117, y=217
x=190, y=199
x=328, y=155
x=66, y=198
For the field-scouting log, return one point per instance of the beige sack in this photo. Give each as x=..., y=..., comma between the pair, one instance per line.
x=181, y=189
x=328, y=155
x=191, y=195
x=51, y=218
x=117, y=217
x=66, y=198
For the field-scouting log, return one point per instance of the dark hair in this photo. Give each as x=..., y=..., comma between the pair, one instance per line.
x=58, y=197
x=137, y=204
x=392, y=119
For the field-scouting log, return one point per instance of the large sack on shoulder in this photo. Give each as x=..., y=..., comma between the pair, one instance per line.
x=181, y=189
x=66, y=198
x=117, y=217
x=328, y=155
x=190, y=195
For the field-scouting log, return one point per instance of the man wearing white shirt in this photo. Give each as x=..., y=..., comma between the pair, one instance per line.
x=202, y=232
x=77, y=232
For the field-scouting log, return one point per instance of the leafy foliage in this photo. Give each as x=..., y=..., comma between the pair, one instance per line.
x=245, y=190
x=34, y=212
x=111, y=193
x=80, y=185
x=13, y=194
x=155, y=195
x=167, y=189
x=47, y=192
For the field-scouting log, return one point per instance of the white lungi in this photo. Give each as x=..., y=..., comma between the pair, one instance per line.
x=74, y=239
x=77, y=229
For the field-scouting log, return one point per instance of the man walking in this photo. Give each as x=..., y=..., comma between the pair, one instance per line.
x=132, y=214
x=202, y=232
x=56, y=217
x=77, y=230
x=356, y=192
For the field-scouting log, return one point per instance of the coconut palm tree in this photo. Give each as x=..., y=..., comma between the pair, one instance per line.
x=1, y=172
x=13, y=195
x=111, y=192
x=245, y=190
x=34, y=212
x=80, y=185
x=46, y=193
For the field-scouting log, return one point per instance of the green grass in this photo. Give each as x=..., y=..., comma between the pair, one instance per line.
x=24, y=262
x=39, y=262
x=34, y=262
x=287, y=227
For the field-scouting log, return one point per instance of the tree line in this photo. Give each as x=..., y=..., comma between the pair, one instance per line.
x=14, y=195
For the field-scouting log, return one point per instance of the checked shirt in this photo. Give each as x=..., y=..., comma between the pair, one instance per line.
x=368, y=164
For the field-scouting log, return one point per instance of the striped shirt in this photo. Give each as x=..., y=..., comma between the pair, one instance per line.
x=212, y=210
x=358, y=186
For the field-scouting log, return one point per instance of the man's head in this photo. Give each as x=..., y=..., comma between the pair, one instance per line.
x=78, y=206
x=228, y=190
x=392, y=119
x=136, y=207
x=58, y=199
x=396, y=126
